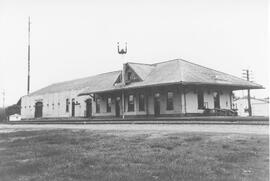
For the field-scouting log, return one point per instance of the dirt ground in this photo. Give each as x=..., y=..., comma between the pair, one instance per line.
x=134, y=152
x=242, y=129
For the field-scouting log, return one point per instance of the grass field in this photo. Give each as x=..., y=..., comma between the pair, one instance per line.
x=129, y=155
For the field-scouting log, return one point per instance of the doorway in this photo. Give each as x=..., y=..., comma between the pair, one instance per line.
x=216, y=100
x=157, y=104
x=117, y=106
x=38, y=109
x=88, y=108
x=73, y=108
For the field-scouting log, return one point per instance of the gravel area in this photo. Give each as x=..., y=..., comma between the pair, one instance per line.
x=242, y=129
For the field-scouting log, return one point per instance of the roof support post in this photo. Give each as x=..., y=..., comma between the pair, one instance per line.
x=92, y=96
x=179, y=91
x=123, y=104
x=231, y=97
x=249, y=104
x=185, y=100
x=146, y=101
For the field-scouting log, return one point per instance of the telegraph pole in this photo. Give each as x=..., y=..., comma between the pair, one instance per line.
x=246, y=75
x=4, y=109
x=28, y=77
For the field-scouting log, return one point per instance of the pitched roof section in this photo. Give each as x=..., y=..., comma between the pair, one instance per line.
x=162, y=73
x=169, y=72
x=180, y=71
x=197, y=74
x=97, y=82
x=142, y=70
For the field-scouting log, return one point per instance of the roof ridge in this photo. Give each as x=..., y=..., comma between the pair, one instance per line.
x=165, y=61
x=139, y=63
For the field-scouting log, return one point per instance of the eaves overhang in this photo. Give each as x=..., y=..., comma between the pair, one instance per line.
x=210, y=85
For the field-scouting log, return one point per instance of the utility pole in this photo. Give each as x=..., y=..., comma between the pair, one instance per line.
x=246, y=75
x=28, y=77
x=4, y=109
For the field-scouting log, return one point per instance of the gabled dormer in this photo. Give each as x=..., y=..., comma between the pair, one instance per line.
x=133, y=72
x=130, y=75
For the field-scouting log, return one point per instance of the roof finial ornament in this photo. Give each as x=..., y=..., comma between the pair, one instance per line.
x=122, y=51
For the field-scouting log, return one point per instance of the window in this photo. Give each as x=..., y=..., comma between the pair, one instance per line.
x=129, y=76
x=200, y=100
x=67, y=105
x=141, y=102
x=97, y=105
x=130, y=103
x=109, y=103
x=170, y=101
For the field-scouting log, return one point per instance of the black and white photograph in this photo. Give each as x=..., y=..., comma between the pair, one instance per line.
x=134, y=90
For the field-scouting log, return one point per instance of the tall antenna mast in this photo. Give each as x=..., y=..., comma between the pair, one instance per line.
x=122, y=52
x=28, y=77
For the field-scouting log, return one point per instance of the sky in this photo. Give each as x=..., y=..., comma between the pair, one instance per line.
x=78, y=38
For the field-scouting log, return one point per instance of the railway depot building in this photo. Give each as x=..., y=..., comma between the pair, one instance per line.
x=171, y=88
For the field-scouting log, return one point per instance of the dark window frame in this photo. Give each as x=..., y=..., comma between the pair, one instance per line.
x=170, y=105
x=216, y=99
x=200, y=97
x=67, y=105
x=131, y=104
x=141, y=102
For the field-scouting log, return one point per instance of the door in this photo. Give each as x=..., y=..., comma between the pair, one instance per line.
x=73, y=108
x=157, y=104
x=88, y=108
x=216, y=100
x=38, y=109
x=117, y=107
